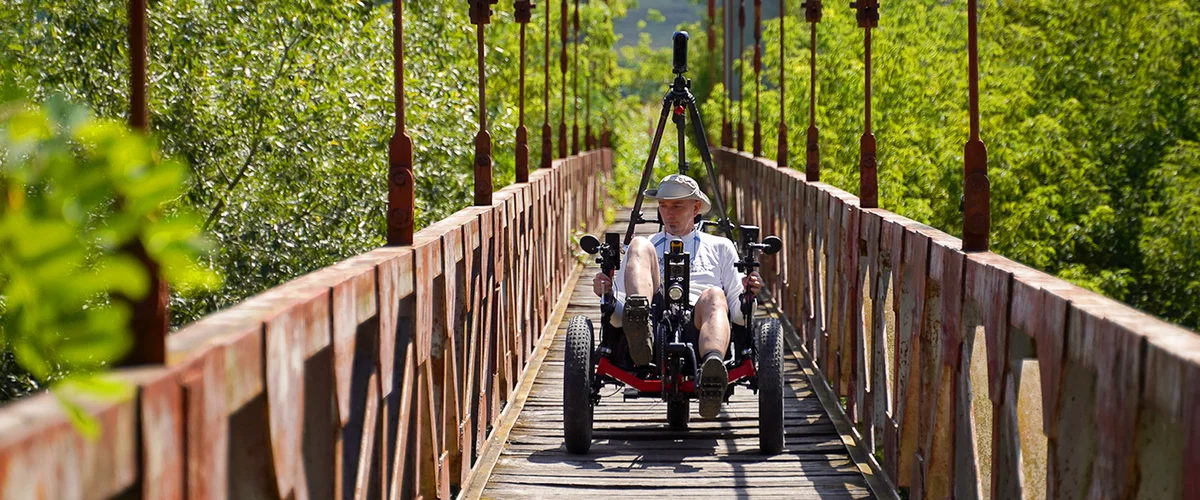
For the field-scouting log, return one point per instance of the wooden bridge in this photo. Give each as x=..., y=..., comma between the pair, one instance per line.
x=918, y=364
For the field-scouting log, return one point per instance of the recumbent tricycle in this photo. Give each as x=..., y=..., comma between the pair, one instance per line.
x=755, y=357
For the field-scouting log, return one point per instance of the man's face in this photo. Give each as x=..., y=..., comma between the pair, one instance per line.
x=678, y=216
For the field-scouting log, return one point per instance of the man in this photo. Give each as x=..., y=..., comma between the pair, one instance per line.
x=716, y=286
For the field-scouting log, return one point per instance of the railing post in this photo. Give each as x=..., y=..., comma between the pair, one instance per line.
x=400, y=149
x=138, y=116
x=976, y=187
x=481, y=14
x=712, y=47
x=562, y=66
x=524, y=13
x=781, y=151
x=868, y=188
x=575, y=84
x=547, y=131
x=727, y=76
x=589, y=141
x=150, y=320
x=401, y=201
x=741, y=131
x=757, y=144
x=812, y=145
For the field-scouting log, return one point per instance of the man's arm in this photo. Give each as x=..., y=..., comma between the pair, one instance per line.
x=731, y=282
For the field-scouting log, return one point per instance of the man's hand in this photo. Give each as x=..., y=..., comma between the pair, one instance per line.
x=601, y=284
x=753, y=282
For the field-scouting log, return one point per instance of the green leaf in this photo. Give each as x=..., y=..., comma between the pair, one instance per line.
x=84, y=423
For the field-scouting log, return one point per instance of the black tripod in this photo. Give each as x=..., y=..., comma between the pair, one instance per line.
x=677, y=101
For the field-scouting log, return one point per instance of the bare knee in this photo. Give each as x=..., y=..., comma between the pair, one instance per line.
x=712, y=303
x=641, y=247
x=714, y=297
x=641, y=267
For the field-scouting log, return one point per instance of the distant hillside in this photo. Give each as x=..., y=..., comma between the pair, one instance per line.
x=681, y=11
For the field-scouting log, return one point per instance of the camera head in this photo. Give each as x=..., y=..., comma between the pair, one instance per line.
x=609, y=252
x=679, y=60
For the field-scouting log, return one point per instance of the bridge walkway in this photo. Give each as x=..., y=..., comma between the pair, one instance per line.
x=635, y=455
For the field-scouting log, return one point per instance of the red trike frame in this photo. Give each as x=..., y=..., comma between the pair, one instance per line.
x=742, y=371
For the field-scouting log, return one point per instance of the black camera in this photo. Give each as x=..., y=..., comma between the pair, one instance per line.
x=679, y=62
x=677, y=271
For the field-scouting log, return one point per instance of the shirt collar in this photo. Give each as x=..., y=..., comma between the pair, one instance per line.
x=690, y=236
x=691, y=239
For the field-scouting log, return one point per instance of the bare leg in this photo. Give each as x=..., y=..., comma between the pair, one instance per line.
x=641, y=280
x=641, y=268
x=711, y=316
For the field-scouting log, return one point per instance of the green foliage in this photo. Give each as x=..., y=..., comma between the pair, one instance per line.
x=283, y=110
x=1086, y=120
x=1171, y=234
x=77, y=193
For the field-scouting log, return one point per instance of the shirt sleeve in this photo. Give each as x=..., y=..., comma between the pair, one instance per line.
x=731, y=282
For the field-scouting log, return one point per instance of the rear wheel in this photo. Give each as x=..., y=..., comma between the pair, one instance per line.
x=577, y=386
x=770, y=386
x=677, y=414
x=677, y=411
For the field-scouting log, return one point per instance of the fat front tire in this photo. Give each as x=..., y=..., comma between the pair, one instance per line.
x=577, y=386
x=678, y=413
x=770, y=386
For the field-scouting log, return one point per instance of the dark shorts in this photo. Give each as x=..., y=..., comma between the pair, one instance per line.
x=658, y=306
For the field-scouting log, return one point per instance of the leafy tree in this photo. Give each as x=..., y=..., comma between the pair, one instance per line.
x=1086, y=120
x=283, y=111
x=77, y=192
x=1171, y=234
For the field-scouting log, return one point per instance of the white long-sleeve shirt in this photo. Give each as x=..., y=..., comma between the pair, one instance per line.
x=713, y=259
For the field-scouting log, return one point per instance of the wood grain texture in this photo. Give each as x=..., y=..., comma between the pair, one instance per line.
x=385, y=374
x=635, y=454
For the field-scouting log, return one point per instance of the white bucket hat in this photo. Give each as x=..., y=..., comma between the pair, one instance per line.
x=679, y=187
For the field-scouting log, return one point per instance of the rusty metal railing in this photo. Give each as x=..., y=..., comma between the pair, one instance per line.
x=378, y=376
x=964, y=373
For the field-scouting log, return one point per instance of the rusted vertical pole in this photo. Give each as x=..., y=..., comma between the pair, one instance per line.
x=976, y=186
x=757, y=76
x=524, y=13
x=781, y=151
x=562, y=66
x=868, y=189
x=812, y=145
x=589, y=141
x=575, y=103
x=138, y=116
x=712, y=45
x=401, y=202
x=547, y=131
x=727, y=77
x=150, y=319
x=741, y=131
x=603, y=140
x=481, y=14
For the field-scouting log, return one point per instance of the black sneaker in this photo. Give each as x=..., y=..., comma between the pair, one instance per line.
x=713, y=379
x=638, y=329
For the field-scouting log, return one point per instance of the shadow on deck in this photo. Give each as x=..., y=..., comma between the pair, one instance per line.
x=635, y=455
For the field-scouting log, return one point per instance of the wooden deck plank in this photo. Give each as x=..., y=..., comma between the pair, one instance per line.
x=635, y=455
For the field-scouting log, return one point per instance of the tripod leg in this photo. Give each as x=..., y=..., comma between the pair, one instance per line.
x=647, y=171
x=682, y=133
x=706, y=156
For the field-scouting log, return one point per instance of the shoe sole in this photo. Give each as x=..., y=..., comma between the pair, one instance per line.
x=713, y=379
x=637, y=329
